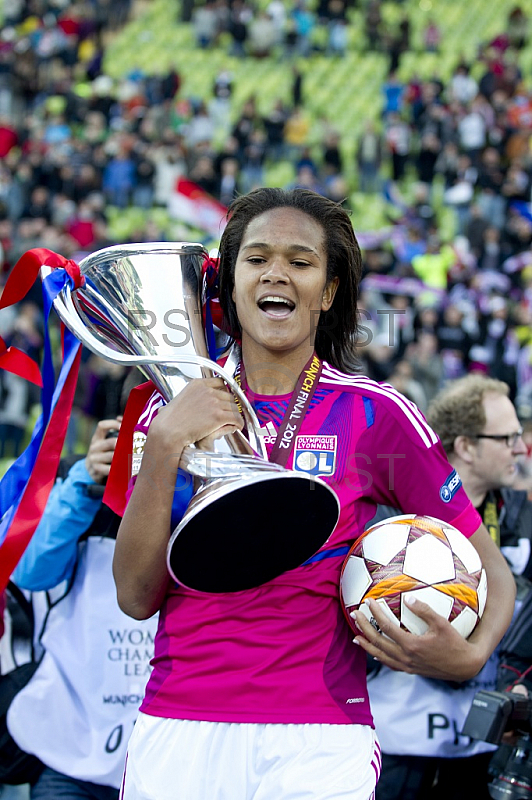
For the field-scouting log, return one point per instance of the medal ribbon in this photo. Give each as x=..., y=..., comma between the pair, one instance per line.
x=297, y=407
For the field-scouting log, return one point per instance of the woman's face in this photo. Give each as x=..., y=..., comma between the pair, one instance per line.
x=281, y=282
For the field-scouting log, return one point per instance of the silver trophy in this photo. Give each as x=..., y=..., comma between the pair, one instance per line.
x=249, y=520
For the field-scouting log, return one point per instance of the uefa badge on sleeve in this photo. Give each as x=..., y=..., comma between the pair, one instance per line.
x=139, y=441
x=315, y=454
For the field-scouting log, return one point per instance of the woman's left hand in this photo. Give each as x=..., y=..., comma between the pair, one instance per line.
x=441, y=652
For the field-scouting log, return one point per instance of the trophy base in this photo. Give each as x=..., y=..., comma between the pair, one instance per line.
x=246, y=532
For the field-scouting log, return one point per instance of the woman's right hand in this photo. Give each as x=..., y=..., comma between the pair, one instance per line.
x=205, y=409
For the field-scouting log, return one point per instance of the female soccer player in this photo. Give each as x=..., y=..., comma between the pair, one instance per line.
x=261, y=694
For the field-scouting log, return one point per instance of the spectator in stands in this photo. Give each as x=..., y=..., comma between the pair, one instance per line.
x=393, y=90
x=369, y=158
x=426, y=362
x=229, y=181
x=252, y=164
x=337, y=28
x=220, y=105
x=205, y=22
x=304, y=22
x=398, y=43
x=274, y=124
x=239, y=20
x=204, y=175
x=296, y=132
x=245, y=124
x=262, y=35
x=432, y=36
x=490, y=181
x=200, y=128
x=517, y=27
x=472, y=130
x=332, y=155
x=398, y=140
x=372, y=25
x=402, y=378
x=463, y=88
x=119, y=179
x=144, y=182
x=427, y=157
x=277, y=11
x=297, y=93
x=490, y=252
x=454, y=343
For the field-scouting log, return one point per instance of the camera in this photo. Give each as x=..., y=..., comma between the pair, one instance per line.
x=490, y=716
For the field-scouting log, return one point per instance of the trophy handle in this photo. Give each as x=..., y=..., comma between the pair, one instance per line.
x=67, y=313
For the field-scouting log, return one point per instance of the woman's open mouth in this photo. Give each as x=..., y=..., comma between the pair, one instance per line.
x=276, y=307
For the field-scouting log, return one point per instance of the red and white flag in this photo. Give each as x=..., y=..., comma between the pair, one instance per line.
x=190, y=203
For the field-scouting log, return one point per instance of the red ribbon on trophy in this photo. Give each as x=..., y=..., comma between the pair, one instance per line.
x=26, y=485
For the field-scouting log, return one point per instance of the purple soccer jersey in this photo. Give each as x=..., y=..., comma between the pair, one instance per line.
x=283, y=652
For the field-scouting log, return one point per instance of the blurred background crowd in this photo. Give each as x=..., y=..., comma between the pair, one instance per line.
x=417, y=116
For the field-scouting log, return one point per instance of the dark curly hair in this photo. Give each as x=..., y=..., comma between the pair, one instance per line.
x=336, y=330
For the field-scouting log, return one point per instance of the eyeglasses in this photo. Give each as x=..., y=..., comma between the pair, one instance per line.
x=509, y=438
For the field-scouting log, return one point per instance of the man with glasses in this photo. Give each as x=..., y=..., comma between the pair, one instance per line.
x=418, y=720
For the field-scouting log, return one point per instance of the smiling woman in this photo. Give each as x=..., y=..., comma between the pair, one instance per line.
x=287, y=219
x=280, y=291
x=261, y=693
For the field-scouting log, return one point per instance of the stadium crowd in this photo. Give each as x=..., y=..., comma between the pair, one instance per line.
x=74, y=142
x=434, y=307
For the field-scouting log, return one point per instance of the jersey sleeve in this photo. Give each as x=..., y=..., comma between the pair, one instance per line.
x=184, y=481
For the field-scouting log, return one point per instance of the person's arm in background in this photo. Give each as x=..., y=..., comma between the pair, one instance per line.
x=52, y=552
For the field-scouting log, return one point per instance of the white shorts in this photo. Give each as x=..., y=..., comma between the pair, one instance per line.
x=170, y=759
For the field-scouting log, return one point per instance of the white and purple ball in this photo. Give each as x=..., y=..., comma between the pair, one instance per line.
x=415, y=556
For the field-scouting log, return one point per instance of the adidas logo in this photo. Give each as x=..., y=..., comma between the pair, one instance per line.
x=268, y=433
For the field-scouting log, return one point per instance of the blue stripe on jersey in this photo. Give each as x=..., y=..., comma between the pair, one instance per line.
x=338, y=551
x=184, y=489
x=274, y=410
x=369, y=409
x=270, y=410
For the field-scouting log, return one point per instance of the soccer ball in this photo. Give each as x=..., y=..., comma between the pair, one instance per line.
x=413, y=556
